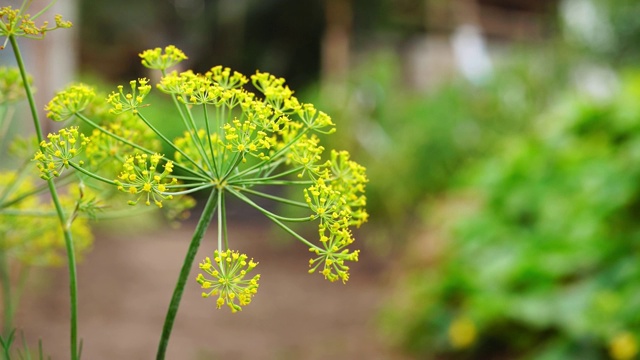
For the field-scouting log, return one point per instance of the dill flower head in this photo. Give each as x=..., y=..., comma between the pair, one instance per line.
x=162, y=59
x=130, y=101
x=333, y=253
x=69, y=102
x=227, y=279
x=55, y=154
x=140, y=177
x=225, y=79
x=17, y=22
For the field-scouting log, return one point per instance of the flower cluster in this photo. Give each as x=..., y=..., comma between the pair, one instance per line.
x=233, y=142
x=131, y=101
x=140, y=177
x=15, y=23
x=229, y=283
x=69, y=102
x=242, y=137
x=162, y=59
x=54, y=155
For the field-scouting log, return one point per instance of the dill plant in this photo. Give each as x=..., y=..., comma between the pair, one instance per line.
x=235, y=143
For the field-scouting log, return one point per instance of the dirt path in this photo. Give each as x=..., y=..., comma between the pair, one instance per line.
x=125, y=286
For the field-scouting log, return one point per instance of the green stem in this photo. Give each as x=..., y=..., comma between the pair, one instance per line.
x=90, y=174
x=133, y=145
x=269, y=213
x=196, y=139
x=273, y=197
x=6, y=293
x=267, y=178
x=170, y=143
x=203, y=223
x=275, y=156
x=206, y=123
x=220, y=213
x=272, y=218
x=66, y=231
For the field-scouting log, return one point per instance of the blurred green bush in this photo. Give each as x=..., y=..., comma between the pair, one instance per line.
x=413, y=143
x=544, y=261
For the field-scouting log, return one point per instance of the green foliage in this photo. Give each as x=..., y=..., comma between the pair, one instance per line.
x=544, y=261
x=413, y=143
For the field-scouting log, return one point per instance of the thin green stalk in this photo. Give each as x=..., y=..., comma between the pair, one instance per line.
x=191, y=129
x=35, y=191
x=135, y=146
x=189, y=191
x=206, y=123
x=90, y=174
x=273, y=197
x=66, y=231
x=274, y=156
x=268, y=214
x=170, y=143
x=203, y=223
x=220, y=211
x=197, y=141
x=223, y=210
x=6, y=293
x=267, y=178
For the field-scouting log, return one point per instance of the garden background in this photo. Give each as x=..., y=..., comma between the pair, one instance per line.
x=502, y=143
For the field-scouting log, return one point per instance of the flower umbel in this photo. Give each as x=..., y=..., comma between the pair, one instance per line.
x=54, y=156
x=13, y=22
x=122, y=102
x=139, y=176
x=69, y=102
x=333, y=254
x=229, y=270
x=162, y=60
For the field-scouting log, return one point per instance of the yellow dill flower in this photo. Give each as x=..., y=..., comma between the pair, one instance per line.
x=326, y=203
x=276, y=93
x=349, y=178
x=623, y=346
x=140, y=177
x=19, y=23
x=307, y=153
x=229, y=269
x=174, y=83
x=54, y=155
x=333, y=253
x=131, y=101
x=162, y=59
x=224, y=78
x=242, y=137
x=315, y=119
x=69, y=102
x=462, y=333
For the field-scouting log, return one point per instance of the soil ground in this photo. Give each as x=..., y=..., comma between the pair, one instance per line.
x=125, y=286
